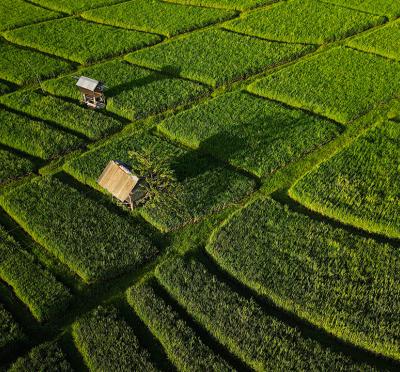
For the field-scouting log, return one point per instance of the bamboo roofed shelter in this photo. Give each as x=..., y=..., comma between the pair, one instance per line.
x=121, y=183
x=92, y=92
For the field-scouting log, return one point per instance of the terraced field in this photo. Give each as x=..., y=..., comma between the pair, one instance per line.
x=276, y=248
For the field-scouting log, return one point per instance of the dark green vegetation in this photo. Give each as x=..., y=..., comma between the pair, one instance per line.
x=184, y=347
x=107, y=343
x=321, y=273
x=15, y=13
x=267, y=133
x=384, y=41
x=73, y=6
x=259, y=339
x=225, y=4
x=330, y=90
x=204, y=186
x=250, y=132
x=45, y=357
x=383, y=7
x=92, y=124
x=78, y=40
x=304, y=21
x=13, y=166
x=157, y=16
x=394, y=113
x=23, y=66
x=10, y=331
x=216, y=56
x=82, y=233
x=360, y=185
x=133, y=92
x=44, y=295
x=34, y=137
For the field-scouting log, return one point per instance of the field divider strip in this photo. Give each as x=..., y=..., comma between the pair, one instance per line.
x=268, y=40
x=44, y=7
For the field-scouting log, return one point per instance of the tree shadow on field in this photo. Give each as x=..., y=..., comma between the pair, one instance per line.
x=166, y=73
x=193, y=163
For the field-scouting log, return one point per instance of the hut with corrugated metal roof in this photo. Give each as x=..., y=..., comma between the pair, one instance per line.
x=92, y=92
x=118, y=180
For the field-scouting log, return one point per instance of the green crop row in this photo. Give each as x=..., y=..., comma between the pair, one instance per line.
x=203, y=187
x=23, y=66
x=224, y=4
x=132, y=92
x=384, y=41
x=45, y=357
x=10, y=331
x=304, y=21
x=216, y=56
x=389, y=8
x=157, y=16
x=360, y=185
x=249, y=132
x=107, y=343
x=74, y=6
x=338, y=281
x=15, y=13
x=183, y=346
x=33, y=285
x=13, y=166
x=261, y=340
x=78, y=40
x=92, y=124
x=342, y=83
x=35, y=138
x=82, y=233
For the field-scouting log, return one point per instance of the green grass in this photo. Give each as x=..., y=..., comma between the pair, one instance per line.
x=239, y=323
x=22, y=66
x=204, y=187
x=74, y=6
x=342, y=83
x=383, y=7
x=183, y=346
x=216, y=56
x=16, y=13
x=384, y=41
x=153, y=94
x=107, y=343
x=132, y=92
x=14, y=166
x=92, y=124
x=304, y=21
x=33, y=285
x=34, y=137
x=249, y=132
x=157, y=16
x=394, y=112
x=360, y=185
x=45, y=357
x=78, y=40
x=82, y=233
x=224, y=4
x=10, y=330
x=338, y=281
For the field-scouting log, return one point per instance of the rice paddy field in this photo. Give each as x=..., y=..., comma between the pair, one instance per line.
x=276, y=248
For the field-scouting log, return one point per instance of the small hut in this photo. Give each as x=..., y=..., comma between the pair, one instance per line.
x=92, y=92
x=121, y=183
